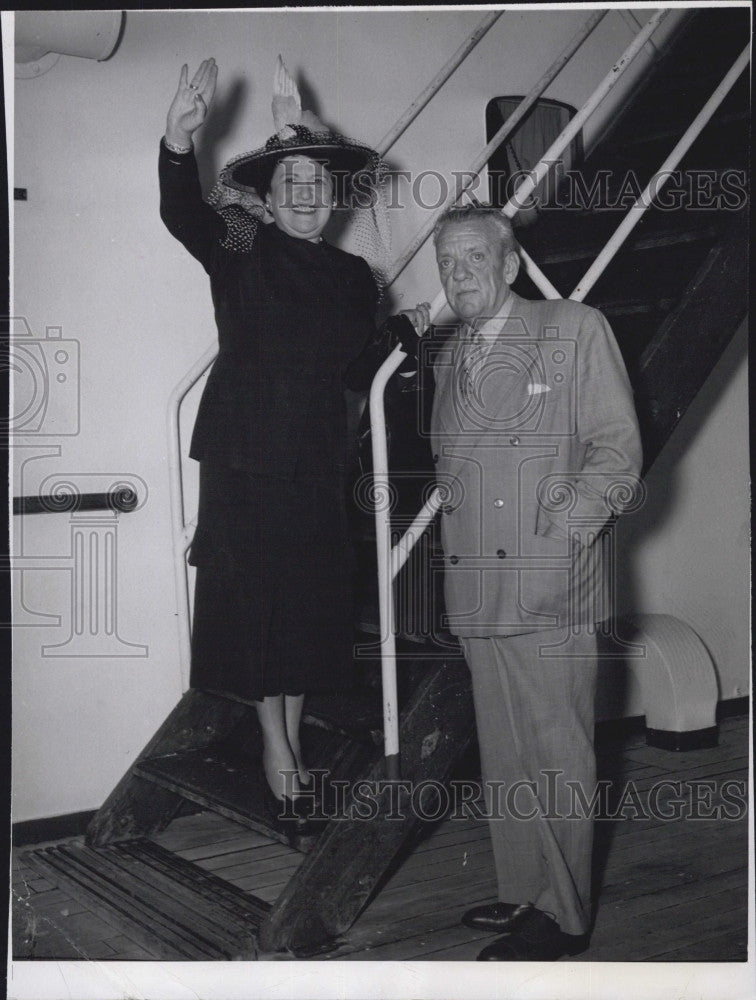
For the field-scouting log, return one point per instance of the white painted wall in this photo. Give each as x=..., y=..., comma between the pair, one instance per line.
x=92, y=257
x=686, y=552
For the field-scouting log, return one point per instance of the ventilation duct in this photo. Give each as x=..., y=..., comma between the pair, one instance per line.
x=42, y=36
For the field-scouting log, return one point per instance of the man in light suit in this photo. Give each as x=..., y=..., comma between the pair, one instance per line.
x=536, y=443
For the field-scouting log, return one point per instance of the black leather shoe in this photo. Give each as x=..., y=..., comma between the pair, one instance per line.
x=534, y=937
x=494, y=917
x=281, y=814
x=307, y=802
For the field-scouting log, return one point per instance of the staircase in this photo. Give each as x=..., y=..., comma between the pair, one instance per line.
x=674, y=296
x=677, y=291
x=207, y=754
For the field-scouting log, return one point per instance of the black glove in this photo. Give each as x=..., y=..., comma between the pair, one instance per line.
x=403, y=332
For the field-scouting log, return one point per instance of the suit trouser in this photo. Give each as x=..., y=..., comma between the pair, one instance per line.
x=535, y=715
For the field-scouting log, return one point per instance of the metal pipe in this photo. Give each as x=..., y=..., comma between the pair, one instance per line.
x=506, y=129
x=568, y=134
x=401, y=551
x=537, y=276
x=657, y=182
x=382, y=498
x=426, y=95
x=180, y=540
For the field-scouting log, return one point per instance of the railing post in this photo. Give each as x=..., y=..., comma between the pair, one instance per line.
x=382, y=501
x=178, y=524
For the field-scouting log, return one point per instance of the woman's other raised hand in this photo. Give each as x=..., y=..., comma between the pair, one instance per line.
x=190, y=105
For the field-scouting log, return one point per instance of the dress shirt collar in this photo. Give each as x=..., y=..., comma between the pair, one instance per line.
x=486, y=330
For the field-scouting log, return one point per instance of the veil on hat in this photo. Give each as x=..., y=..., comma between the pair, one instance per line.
x=367, y=229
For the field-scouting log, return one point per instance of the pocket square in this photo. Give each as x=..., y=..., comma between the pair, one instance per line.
x=535, y=387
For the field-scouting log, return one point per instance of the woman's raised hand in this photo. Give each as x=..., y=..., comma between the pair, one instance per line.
x=189, y=108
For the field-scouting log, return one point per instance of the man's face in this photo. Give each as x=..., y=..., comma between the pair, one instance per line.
x=300, y=197
x=475, y=274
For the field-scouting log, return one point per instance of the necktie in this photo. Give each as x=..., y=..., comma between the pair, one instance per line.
x=471, y=356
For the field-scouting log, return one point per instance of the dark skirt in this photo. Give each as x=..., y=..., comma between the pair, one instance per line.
x=273, y=604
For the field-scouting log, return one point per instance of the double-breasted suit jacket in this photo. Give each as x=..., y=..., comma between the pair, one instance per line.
x=536, y=446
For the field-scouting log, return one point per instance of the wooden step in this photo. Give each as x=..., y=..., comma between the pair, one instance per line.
x=357, y=714
x=647, y=240
x=734, y=118
x=685, y=349
x=137, y=807
x=220, y=778
x=634, y=307
x=168, y=905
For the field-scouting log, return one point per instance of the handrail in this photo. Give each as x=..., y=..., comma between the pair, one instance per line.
x=563, y=140
x=403, y=548
x=118, y=501
x=181, y=537
x=503, y=132
x=426, y=95
x=565, y=137
x=658, y=181
x=382, y=502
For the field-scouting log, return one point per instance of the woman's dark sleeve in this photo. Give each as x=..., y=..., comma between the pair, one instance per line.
x=361, y=372
x=183, y=210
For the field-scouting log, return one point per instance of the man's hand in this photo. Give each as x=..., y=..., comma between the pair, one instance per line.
x=419, y=317
x=189, y=108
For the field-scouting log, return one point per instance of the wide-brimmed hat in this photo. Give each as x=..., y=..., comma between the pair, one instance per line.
x=302, y=133
x=298, y=133
x=340, y=156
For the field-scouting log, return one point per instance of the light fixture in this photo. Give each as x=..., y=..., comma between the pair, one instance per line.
x=42, y=36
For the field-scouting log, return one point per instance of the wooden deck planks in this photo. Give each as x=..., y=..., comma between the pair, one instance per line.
x=670, y=890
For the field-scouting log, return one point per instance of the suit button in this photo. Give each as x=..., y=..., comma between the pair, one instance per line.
x=435, y=459
x=498, y=502
x=501, y=553
x=454, y=560
x=514, y=440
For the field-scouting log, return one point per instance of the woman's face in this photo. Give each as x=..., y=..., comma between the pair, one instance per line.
x=300, y=198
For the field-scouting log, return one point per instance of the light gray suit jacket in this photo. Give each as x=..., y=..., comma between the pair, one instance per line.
x=536, y=442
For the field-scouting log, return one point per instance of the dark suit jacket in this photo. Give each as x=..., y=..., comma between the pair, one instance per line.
x=296, y=322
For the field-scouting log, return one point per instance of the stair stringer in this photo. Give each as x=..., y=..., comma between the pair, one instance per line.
x=136, y=807
x=685, y=349
x=339, y=875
